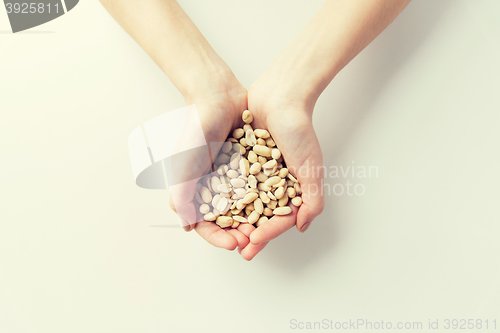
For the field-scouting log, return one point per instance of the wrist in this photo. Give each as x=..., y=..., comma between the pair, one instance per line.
x=284, y=85
x=209, y=83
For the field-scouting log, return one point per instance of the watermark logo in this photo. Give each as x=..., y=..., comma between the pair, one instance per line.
x=28, y=14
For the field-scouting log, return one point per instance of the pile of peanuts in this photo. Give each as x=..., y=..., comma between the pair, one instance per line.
x=252, y=182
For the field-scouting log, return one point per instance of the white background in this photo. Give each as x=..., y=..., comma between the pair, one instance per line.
x=78, y=252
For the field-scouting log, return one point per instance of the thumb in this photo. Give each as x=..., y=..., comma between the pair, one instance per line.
x=310, y=177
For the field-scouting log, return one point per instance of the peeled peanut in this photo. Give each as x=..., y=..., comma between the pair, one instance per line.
x=297, y=201
x=248, y=210
x=270, y=172
x=235, y=159
x=297, y=188
x=204, y=209
x=263, y=187
x=247, y=117
x=250, y=197
x=206, y=195
x=247, y=127
x=270, y=143
x=270, y=164
x=283, y=172
x=282, y=183
x=279, y=193
x=239, y=148
x=209, y=217
x=224, y=188
x=233, y=174
x=215, y=182
x=283, y=201
x=222, y=159
x=275, y=153
x=224, y=221
x=222, y=170
x=258, y=206
x=215, y=200
x=240, y=204
x=255, y=168
x=252, y=181
x=273, y=180
x=226, y=147
x=252, y=190
x=253, y=217
x=263, y=197
x=271, y=195
x=261, y=221
x=262, y=150
x=240, y=192
x=282, y=210
x=272, y=204
x=240, y=219
x=250, y=138
x=237, y=182
x=222, y=205
x=262, y=133
x=238, y=133
x=244, y=168
x=261, y=177
x=268, y=211
x=252, y=157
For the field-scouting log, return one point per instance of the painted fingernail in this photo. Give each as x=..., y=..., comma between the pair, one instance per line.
x=305, y=227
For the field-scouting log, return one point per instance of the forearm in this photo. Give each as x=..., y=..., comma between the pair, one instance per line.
x=172, y=40
x=336, y=34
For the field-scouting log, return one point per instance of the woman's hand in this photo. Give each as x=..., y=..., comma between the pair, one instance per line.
x=283, y=98
x=286, y=113
x=219, y=106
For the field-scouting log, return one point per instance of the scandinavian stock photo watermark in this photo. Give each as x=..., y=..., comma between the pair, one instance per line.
x=337, y=180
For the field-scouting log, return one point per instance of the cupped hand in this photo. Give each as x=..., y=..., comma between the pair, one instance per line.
x=219, y=109
x=288, y=117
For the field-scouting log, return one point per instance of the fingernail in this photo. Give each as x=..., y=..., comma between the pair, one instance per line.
x=305, y=227
x=186, y=226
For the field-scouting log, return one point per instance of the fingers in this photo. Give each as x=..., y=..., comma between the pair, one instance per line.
x=251, y=250
x=181, y=202
x=273, y=228
x=184, y=224
x=313, y=200
x=241, y=238
x=246, y=229
x=308, y=211
x=216, y=236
